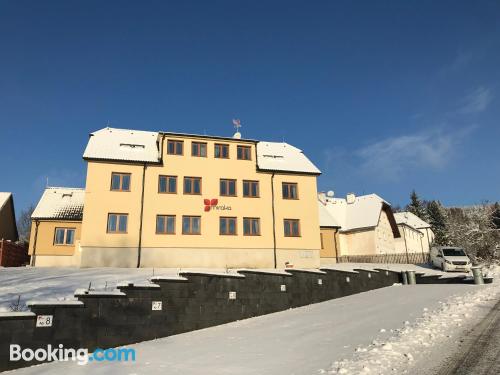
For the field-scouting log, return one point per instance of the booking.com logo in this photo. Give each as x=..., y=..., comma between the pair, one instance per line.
x=62, y=354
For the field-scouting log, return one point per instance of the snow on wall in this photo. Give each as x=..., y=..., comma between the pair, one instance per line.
x=196, y=301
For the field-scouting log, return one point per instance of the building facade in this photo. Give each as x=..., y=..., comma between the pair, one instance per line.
x=416, y=234
x=353, y=226
x=56, y=225
x=156, y=199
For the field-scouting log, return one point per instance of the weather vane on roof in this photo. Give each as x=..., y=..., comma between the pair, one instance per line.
x=237, y=124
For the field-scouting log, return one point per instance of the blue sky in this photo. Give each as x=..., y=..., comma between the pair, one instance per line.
x=383, y=96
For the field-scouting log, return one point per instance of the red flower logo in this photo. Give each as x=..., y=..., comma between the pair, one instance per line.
x=209, y=203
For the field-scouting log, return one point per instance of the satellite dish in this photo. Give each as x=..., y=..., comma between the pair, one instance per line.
x=330, y=193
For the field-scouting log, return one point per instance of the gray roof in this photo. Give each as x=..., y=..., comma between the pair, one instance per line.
x=58, y=203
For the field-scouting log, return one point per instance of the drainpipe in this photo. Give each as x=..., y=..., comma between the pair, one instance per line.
x=335, y=234
x=274, y=222
x=33, y=256
x=139, y=247
x=422, y=246
x=406, y=247
x=428, y=240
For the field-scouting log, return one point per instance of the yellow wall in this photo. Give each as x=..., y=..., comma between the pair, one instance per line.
x=208, y=249
x=384, y=236
x=329, y=247
x=360, y=242
x=7, y=223
x=45, y=238
x=416, y=242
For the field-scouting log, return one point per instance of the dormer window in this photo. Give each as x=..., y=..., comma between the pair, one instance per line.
x=132, y=146
x=273, y=156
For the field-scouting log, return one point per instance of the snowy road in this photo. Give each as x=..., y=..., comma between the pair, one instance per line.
x=480, y=353
x=306, y=340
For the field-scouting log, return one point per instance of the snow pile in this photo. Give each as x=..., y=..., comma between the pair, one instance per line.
x=414, y=340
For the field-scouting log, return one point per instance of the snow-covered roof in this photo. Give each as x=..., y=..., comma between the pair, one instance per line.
x=60, y=203
x=325, y=218
x=363, y=212
x=123, y=144
x=411, y=220
x=4, y=198
x=143, y=146
x=280, y=156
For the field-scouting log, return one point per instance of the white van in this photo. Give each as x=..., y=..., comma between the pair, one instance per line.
x=450, y=258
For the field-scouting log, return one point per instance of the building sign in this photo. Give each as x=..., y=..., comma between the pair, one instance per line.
x=156, y=305
x=213, y=204
x=44, y=320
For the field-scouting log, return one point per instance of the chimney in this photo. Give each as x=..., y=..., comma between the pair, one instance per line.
x=322, y=197
x=350, y=198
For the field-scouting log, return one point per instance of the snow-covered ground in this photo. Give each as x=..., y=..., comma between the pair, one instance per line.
x=384, y=331
x=61, y=283
x=419, y=346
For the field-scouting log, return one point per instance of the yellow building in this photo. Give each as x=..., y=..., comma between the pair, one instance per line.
x=158, y=199
x=353, y=226
x=56, y=226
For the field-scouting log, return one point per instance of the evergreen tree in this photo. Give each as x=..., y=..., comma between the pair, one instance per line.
x=496, y=215
x=437, y=220
x=417, y=207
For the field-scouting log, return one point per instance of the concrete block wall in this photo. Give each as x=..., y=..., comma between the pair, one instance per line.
x=189, y=302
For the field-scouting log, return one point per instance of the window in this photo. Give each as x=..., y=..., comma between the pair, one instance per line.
x=192, y=185
x=120, y=181
x=199, y=149
x=191, y=224
x=227, y=226
x=292, y=228
x=251, y=226
x=227, y=188
x=117, y=223
x=167, y=184
x=64, y=236
x=250, y=189
x=175, y=147
x=165, y=224
x=244, y=152
x=290, y=190
x=221, y=151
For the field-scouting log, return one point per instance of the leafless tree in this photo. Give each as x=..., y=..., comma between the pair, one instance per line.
x=24, y=224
